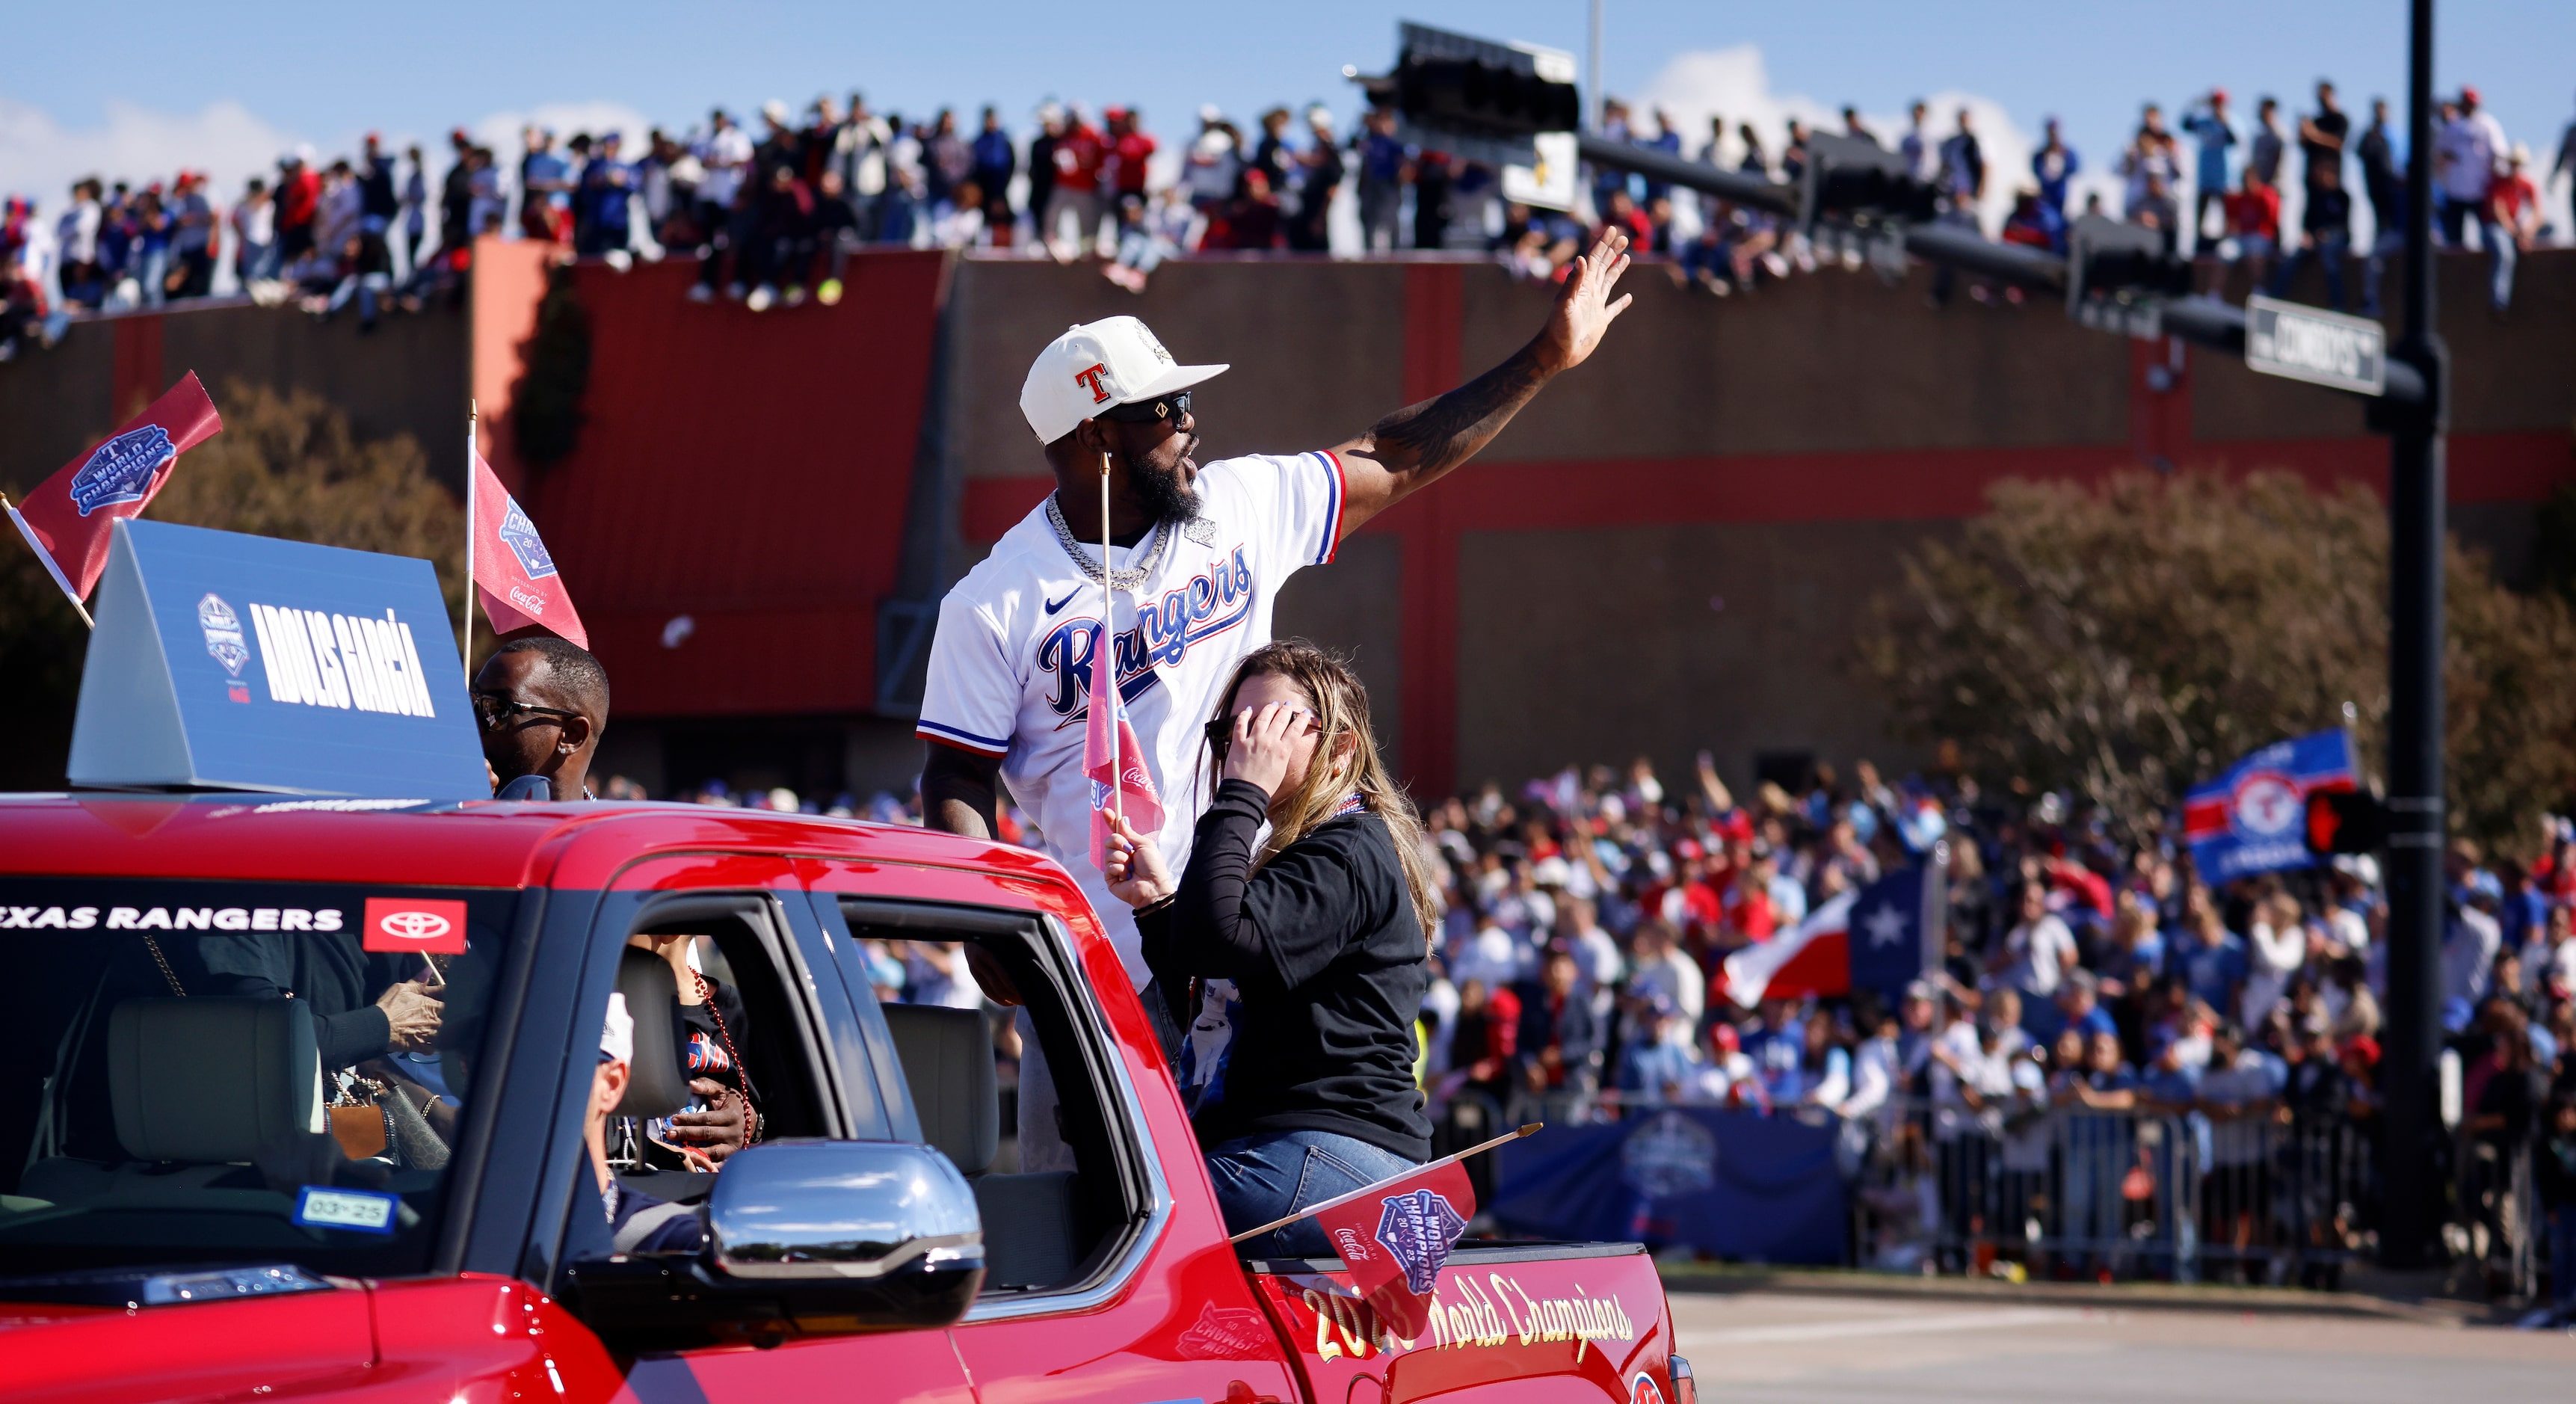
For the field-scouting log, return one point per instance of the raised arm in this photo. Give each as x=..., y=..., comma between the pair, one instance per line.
x=1411, y=448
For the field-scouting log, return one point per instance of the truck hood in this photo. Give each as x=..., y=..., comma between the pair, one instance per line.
x=130, y=1337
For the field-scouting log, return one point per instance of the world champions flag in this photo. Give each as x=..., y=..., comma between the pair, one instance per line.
x=1111, y=757
x=2253, y=817
x=69, y=516
x=1396, y=1235
x=513, y=572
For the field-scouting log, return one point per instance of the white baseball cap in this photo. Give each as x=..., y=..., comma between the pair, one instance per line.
x=1094, y=365
x=617, y=1037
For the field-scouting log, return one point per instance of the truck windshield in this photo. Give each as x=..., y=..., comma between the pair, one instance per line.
x=236, y=1072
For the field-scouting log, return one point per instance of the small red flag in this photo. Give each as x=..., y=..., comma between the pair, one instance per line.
x=513, y=572
x=1111, y=756
x=68, y=517
x=1397, y=1236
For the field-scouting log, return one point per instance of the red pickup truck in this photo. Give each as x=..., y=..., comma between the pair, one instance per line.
x=207, y=1190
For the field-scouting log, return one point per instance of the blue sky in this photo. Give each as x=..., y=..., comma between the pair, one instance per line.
x=167, y=83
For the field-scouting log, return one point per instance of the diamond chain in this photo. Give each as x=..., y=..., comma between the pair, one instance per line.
x=1129, y=579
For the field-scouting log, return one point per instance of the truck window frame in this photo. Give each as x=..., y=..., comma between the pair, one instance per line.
x=1051, y=951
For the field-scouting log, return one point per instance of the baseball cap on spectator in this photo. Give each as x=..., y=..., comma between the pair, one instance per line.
x=1095, y=365
x=775, y=111
x=2364, y=1047
x=2469, y=95
x=1922, y=990
x=1724, y=1039
x=617, y=1036
x=1551, y=871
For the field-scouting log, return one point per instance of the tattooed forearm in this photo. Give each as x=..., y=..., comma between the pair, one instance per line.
x=1440, y=433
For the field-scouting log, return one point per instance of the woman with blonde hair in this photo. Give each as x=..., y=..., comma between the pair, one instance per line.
x=1303, y=953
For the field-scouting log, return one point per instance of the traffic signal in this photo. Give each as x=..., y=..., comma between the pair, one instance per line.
x=2346, y=821
x=1481, y=100
x=2119, y=276
x=1856, y=181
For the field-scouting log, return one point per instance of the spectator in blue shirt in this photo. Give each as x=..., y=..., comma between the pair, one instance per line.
x=2210, y=958
x=606, y=184
x=2206, y=122
x=1668, y=140
x=995, y=159
x=2053, y=165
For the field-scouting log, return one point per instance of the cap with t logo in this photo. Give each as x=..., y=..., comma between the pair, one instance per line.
x=1095, y=365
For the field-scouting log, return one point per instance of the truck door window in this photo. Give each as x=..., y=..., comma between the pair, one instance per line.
x=738, y=1033
x=239, y=1072
x=1046, y=1229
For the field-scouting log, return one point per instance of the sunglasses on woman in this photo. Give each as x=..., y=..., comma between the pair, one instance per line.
x=1220, y=732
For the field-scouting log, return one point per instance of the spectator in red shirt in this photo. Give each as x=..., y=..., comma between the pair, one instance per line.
x=2254, y=221
x=1079, y=154
x=299, y=202
x=1624, y=215
x=1130, y=152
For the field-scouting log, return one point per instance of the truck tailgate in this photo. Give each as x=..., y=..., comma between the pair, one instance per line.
x=1552, y=1321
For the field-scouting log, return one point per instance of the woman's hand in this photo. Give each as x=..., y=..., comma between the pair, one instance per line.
x=1136, y=872
x=1265, y=743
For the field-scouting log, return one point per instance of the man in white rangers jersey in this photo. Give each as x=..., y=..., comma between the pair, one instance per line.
x=1199, y=554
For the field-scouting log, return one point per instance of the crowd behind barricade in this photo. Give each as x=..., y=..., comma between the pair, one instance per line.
x=2112, y=1068
x=771, y=207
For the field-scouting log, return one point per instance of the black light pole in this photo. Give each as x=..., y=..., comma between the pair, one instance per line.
x=2416, y=501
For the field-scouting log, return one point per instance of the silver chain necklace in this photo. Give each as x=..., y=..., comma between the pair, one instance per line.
x=1130, y=579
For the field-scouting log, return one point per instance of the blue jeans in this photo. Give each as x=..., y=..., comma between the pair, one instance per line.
x=1261, y=1178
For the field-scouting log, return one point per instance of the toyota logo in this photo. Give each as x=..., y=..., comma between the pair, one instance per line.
x=414, y=926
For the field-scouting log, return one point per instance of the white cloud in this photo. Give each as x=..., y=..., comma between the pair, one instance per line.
x=1734, y=83
x=40, y=158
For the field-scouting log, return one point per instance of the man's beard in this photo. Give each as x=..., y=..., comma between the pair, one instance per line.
x=1165, y=493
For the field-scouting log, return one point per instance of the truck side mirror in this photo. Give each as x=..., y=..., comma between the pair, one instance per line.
x=805, y=1238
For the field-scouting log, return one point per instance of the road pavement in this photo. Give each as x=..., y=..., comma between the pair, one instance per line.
x=1776, y=1346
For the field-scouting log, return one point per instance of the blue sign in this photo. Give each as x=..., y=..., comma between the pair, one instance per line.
x=1737, y=1184
x=224, y=661
x=2252, y=818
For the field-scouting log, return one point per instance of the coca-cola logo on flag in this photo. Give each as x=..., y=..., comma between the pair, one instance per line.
x=1419, y=1229
x=413, y=924
x=520, y=535
x=121, y=470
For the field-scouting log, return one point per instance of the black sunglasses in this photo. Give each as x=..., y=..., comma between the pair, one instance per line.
x=492, y=709
x=1220, y=732
x=1171, y=407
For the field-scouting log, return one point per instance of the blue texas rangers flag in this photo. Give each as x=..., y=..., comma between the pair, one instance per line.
x=2252, y=818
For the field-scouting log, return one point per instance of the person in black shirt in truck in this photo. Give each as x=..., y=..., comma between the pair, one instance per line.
x=1304, y=955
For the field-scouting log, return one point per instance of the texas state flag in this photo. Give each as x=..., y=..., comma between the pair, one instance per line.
x=1877, y=937
x=1396, y=1235
x=1112, y=759
x=513, y=573
x=68, y=516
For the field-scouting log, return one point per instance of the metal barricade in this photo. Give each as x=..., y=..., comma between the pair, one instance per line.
x=2108, y=1195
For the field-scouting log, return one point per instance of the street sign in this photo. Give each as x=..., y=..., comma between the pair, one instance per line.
x=2322, y=348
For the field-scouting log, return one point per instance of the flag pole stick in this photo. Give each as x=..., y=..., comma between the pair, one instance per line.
x=1341, y=1199
x=47, y=559
x=1109, y=656
x=465, y=634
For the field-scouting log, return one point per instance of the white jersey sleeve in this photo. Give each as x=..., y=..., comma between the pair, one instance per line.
x=972, y=697
x=1297, y=503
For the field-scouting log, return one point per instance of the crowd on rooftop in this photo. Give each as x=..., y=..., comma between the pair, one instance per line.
x=771, y=206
